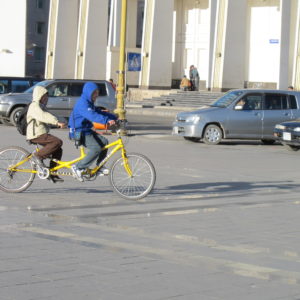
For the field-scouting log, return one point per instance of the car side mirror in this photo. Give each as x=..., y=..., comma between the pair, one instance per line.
x=238, y=107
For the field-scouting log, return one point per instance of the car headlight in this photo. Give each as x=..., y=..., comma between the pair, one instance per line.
x=297, y=129
x=193, y=119
x=280, y=127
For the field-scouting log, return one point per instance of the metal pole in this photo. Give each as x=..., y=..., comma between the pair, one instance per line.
x=121, y=77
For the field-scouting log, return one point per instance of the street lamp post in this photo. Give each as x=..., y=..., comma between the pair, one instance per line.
x=121, y=76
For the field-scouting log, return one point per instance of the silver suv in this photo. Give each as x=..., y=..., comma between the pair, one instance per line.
x=63, y=95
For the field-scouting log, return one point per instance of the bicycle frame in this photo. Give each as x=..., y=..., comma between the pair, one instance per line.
x=118, y=146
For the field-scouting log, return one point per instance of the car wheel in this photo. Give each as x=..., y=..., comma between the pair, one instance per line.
x=212, y=135
x=268, y=142
x=291, y=147
x=14, y=115
x=192, y=139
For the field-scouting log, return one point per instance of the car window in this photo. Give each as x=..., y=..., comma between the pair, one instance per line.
x=19, y=86
x=75, y=89
x=102, y=89
x=3, y=86
x=249, y=102
x=43, y=83
x=227, y=99
x=276, y=101
x=58, y=90
x=293, y=102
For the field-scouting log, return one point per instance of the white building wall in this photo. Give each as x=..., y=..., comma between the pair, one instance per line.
x=259, y=44
x=13, y=37
x=264, y=41
x=212, y=28
x=157, y=44
x=295, y=6
x=63, y=27
x=283, y=76
x=92, y=40
x=235, y=45
x=192, y=38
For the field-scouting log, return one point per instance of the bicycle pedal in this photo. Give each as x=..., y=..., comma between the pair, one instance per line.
x=43, y=173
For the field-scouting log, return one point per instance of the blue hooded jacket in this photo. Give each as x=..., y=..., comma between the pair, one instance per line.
x=85, y=113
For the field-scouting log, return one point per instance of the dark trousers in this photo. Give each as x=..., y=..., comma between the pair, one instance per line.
x=52, y=147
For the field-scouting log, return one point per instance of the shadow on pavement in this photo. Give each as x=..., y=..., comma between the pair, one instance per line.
x=229, y=186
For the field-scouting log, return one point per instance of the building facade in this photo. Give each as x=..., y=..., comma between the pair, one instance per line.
x=233, y=43
x=37, y=14
x=23, y=40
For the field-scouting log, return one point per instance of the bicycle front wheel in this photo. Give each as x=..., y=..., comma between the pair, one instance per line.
x=18, y=179
x=139, y=183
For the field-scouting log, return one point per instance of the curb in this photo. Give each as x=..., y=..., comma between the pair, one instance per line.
x=157, y=110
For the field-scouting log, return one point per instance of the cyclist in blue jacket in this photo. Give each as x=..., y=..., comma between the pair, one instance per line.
x=81, y=129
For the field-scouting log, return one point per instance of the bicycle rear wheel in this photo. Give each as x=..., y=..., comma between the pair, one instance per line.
x=19, y=179
x=137, y=186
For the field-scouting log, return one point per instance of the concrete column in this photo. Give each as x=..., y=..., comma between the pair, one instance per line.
x=62, y=35
x=131, y=23
x=91, y=41
x=213, y=12
x=285, y=9
x=230, y=41
x=114, y=23
x=297, y=53
x=218, y=59
x=157, y=44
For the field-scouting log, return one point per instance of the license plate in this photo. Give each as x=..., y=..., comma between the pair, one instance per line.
x=175, y=130
x=287, y=136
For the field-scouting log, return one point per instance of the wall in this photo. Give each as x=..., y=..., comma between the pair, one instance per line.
x=192, y=35
x=92, y=41
x=235, y=45
x=36, y=42
x=62, y=37
x=13, y=33
x=264, y=41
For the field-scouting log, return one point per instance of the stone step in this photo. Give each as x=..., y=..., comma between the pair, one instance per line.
x=181, y=99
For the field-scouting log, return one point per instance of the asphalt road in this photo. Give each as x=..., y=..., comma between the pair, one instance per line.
x=222, y=223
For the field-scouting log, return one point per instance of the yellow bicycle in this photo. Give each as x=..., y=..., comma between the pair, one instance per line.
x=132, y=176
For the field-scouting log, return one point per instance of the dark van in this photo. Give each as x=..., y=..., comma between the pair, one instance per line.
x=16, y=84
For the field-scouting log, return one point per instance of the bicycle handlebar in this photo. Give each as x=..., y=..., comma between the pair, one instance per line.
x=120, y=125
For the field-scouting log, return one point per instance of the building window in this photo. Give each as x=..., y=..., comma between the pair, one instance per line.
x=39, y=53
x=19, y=86
x=40, y=4
x=40, y=27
